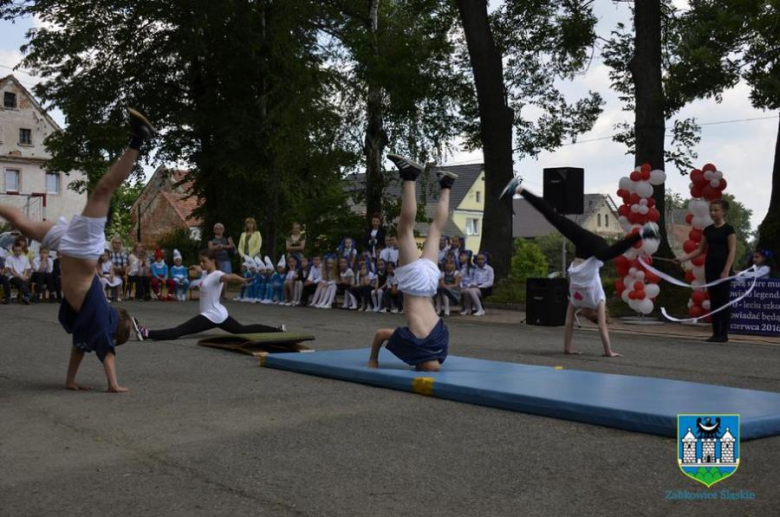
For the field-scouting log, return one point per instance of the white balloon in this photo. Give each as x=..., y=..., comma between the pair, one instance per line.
x=698, y=272
x=624, y=222
x=652, y=290
x=644, y=189
x=632, y=253
x=625, y=297
x=708, y=175
x=714, y=183
x=625, y=183
x=633, y=271
x=706, y=305
x=700, y=222
x=635, y=209
x=643, y=209
x=650, y=246
x=633, y=304
x=640, y=276
x=690, y=303
x=717, y=175
x=657, y=177
x=645, y=306
x=643, y=202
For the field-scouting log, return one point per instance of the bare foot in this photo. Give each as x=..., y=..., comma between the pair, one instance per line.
x=117, y=389
x=612, y=354
x=373, y=363
x=571, y=352
x=77, y=387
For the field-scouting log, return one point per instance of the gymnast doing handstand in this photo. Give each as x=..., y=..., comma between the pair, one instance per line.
x=586, y=292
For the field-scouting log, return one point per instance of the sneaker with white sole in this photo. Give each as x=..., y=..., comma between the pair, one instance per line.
x=409, y=169
x=479, y=313
x=446, y=178
x=140, y=332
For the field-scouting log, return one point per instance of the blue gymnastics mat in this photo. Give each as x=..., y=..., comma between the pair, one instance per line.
x=641, y=404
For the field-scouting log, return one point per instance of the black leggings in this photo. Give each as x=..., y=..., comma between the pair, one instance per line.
x=201, y=323
x=719, y=296
x=586, y=244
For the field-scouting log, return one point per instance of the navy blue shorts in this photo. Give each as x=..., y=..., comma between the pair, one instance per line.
x=413, y=350
x=94, y=326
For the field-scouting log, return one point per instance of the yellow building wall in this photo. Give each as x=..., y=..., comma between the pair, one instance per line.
x=471, y=207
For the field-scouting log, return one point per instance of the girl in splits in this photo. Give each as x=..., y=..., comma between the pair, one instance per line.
x=423, y=344
x=591, y=252
x=212, y=312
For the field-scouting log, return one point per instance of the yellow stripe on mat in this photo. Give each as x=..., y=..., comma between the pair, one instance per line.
x=423, y=385
x=261, y=359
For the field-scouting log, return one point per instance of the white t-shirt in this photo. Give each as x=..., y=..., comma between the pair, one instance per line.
x=17, y=264
x=585, y=288
x=389, y=255
x=37, y=264
x=210, y=290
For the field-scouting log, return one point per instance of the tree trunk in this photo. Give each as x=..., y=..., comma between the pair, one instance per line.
x=650, y=122
x=376, y=137
x=496, y=129
x=769, y=229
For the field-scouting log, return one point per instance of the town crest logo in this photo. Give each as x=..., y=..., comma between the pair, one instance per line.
x=708, y=446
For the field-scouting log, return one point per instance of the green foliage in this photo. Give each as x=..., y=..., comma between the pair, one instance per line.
x=120, y=221
x=508, y=290
x=551, y=245
x=528, y=261
x=179, y=239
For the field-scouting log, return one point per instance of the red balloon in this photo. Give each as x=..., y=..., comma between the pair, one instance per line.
x=650, y=202
x=695, y=235
x=621, y=261
x=634, y=218
x=689, y=218
x=634, y=199
x=695, y=192
x=697, y=297
x=698, y=261
x=689, y=246
x=640, y=295
x=716, y=194
x=653, y=215
x=695, y=311
x=632, y=295
x=648, y=260
x=635, y=176
x=620, y=286
x=697, y=178
x=652, y=278
x=645, y=175
x=709, y=167
x=638, y=244
x=645, y=168
x=624, y=210
x=639, y=286
x=708, y=192
x=689, y=276
x=722, y=185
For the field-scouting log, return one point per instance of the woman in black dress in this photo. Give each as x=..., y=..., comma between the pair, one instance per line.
x=720, y=245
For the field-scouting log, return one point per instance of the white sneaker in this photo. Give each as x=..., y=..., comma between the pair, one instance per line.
x=394, y=310
x=446, y=314
x=479, y=313
x=464, y=312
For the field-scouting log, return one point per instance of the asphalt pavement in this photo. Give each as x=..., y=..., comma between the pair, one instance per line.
x=205, y=432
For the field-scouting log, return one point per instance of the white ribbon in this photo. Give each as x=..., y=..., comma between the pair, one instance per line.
x=674, y=281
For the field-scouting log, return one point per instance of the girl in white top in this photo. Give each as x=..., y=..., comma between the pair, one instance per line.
x=480, y=284
x=108, y=277
x=327, y=273
x=212, y=312
x=763, y=260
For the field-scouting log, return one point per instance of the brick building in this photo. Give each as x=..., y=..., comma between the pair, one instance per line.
x=164, y=206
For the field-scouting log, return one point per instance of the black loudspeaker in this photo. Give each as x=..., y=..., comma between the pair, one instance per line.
x=564, y=189
x=546, y=300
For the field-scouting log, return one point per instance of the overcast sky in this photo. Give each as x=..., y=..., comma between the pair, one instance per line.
x=744, y=150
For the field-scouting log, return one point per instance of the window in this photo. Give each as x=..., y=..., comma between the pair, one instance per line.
x=472, y=226
x=598, y=220
x=11, y=180
x=25, y=136
x=9, y=100
x=479, y=196
x=606, y=220
x=52, y=183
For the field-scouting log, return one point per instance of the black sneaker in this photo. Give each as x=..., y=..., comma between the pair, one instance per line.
x=26, y=300
x=140, y=332
x=446, y=178
x=409, y=170
x=140, y=127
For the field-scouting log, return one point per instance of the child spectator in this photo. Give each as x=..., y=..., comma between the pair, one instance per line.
x=248, y=271
x=296, y=242
x=390, y=253
x=393, y=299
x=277, y=280
x=267, y=296
x=138, y=273
x=18, y=269
x=481, y=284
x=466, y=274
x=375, y=236
x=449, y=288
x=180, y=276
x=303, y=273
x=348, y=252
x=290, y=278
x=327, y=287
x=378, y=291
x=257, y=293
x=345, y=283
x=363, y=285
x=312, y=281
x=43, y=274
x=159, y=270
x=4, y=279
x=120, y=259
x=106, y=272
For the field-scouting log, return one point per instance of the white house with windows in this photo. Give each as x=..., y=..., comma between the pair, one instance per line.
x=24, y=125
